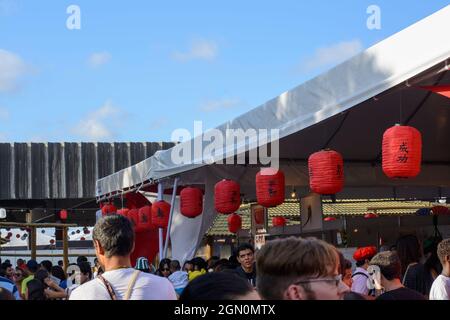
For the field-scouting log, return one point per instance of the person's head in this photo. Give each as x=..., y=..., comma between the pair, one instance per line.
x=32, y=266
x=142, y=264
x=6, y=294
x=113, y=236
x=299, y=269
x=42, y=275
x=212, y=261
x=188, y=266
x=58, y=272
x=345, y=270
x=408, y=250
x=85, y=271
x=96, y=262
x=174, y=266
x=47, y=265
x=223, y=264
x=219, y=286
x=164, y=267
x=20, y=262
x=60, y=263
x=8, y=269
x=390, y=266
x=199, y=264
x=363, y=255
x=20, y=274
x=443, y=252
x=35, y=290
x=246, y=256
x=82, y=259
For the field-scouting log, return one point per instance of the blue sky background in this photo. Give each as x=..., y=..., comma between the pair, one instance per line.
x=137, y=70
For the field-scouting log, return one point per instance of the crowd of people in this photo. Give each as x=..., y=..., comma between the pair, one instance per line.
x=283, y=269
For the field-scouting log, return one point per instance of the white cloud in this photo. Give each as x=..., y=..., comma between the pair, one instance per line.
x=12, y=69
x=200, y=49
x=98, y=125
x=332, y=55
x=216, y=105
x=98, y=59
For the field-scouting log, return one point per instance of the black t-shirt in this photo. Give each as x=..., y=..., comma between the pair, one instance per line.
x=418, y=278
x=401, y=294
x=251, y=277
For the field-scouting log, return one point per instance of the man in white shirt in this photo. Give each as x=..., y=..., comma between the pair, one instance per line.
x=362, y=257
x=440, y=290
x=114, y=238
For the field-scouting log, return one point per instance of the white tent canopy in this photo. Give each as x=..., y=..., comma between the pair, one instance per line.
x=346, y=109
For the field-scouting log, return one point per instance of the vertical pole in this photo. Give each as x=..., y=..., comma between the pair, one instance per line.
x=33, y=243
x=65, y=248
x=160, y=197
x=172, y=205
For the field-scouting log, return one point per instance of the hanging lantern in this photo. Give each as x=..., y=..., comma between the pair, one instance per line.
x=160, y=214
x=52, y=241
x=42, y=231
x=227, y=196
x=260, y=215
x=440, y=210
x=9, y=235
x=78, y=231
x=82, y=238
x=402, y=152
x=24, y=236
x=2, y=213
x=270, y=187
x=326, y=172
x=108, y=209
x=123, y=212
x=72, y=233
x=328, y=219
x=278, y=221
x=370, y=215
x=191, y=202
x=63, y=214
x=133, y=215
x=17, y=236
x=144, y=219
x=234, y=223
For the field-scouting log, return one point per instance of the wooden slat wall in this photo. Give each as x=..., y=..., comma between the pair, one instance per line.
x=64, y=170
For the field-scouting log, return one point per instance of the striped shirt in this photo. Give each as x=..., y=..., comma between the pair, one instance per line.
x=10, y=286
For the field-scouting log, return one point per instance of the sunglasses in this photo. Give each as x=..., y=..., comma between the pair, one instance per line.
x=336, y=280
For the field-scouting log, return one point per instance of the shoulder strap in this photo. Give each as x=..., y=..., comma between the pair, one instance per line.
x=360, y=273
x=134, y=276
x=406, y=272
x=108, y=286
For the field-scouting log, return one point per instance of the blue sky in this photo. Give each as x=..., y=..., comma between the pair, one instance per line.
x=137, y=70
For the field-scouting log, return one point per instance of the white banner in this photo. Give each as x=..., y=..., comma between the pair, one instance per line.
x=311, y=216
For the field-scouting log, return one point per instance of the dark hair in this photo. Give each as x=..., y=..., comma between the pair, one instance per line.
x=389, y=264
x=6, y=265
x=164, y=262
x=175, y=265
x=199, y=263
x=360, y=263
x=60, y=263
x=85, y=268
x=244, y=246
x=40, y=275
x=35, y=290
x=353, y=296
x=82, y=259
x=115, y=234
x=47, y=264
x=6, y=294
x=59, y=273
x=408, y=250
x=216, y=286
x=222, y=265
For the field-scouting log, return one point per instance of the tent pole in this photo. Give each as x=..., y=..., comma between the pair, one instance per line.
x=172, y=204
x=160, y=197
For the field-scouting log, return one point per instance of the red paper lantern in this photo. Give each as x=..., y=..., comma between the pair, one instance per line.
x=9, y=235
x=227, y=196
x=63, y=214
x=133, y=215
x=326, y=172
x=278, y=221
x=160, y=214
x=260, y=215
x=234, y=223
x=144, y=219
x=440, y=210
x=108, y=209
x=191, y=202
x=329, y=219
x=370, y=215
x=123, y=212
x=82, y=238
x=270, y=187
x=52, y=241
x=402, y=152
x=17, y=236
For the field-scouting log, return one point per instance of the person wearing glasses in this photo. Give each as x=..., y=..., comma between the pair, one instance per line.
x=20, y=275
x=164, y=268
x=299, y=269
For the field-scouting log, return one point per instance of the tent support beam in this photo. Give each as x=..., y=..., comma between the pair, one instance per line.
x=337, y=130
x=172, y=204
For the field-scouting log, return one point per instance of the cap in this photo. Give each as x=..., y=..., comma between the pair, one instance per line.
x=364, y=253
